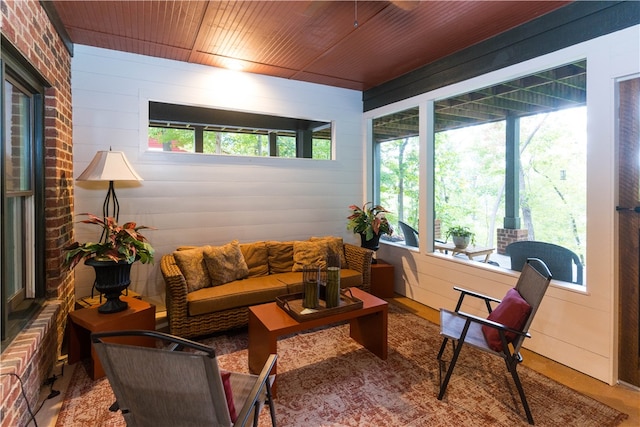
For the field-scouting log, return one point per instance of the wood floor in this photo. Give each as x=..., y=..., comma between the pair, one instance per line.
x=625, y=399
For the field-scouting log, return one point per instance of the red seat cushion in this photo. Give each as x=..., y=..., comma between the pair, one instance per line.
x=226, y=382
x=512, y=312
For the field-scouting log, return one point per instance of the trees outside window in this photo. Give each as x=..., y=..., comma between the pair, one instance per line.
x=509, y=159
x=190, y=129
x=398, y=167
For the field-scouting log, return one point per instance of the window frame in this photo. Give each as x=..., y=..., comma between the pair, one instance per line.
x=210, y=119
x=16, y=314
x=426, y=102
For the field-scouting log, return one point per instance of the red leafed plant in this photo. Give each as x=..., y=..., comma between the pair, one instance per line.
x=119, y=243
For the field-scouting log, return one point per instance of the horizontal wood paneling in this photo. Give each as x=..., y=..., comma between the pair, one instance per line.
x=198, y=199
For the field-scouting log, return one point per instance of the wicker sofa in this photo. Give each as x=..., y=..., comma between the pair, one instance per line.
x=204, y=295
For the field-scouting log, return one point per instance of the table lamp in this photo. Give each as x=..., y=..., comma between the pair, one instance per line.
x=109, y=166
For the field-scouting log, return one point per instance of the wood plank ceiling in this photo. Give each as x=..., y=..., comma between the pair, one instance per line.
x=312, y=41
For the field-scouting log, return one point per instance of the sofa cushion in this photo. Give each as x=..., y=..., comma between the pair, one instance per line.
x=239, y=293
x=225, y=263
x=336, y=246
x=350, y=278
x=309, y=253
x=191, y=264
x=257, y=258
x=280, y=256
x=293, y=280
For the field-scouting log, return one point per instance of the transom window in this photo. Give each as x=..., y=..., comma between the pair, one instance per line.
x=188, y=129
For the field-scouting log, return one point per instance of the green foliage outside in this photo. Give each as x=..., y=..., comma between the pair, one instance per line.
x=399, y=180
x=173, y=139
x=230, y=143
x=469, y=187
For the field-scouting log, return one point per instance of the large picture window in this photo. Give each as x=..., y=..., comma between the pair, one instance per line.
x=510, y=165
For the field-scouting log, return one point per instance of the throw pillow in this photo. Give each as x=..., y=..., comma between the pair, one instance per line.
x=513, y=312
x=225, y=263
x=257, y=258
x=336, y=245
x=228, y=394
x=280, y=256
x=309, y=253
x=191, y=264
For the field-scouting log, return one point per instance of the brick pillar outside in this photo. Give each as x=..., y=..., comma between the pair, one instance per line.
x=507, y=236
x=437, y=229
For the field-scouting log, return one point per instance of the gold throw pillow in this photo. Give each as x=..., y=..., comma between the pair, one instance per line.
x=309, y=253
x=225, y=263
x=191, y=264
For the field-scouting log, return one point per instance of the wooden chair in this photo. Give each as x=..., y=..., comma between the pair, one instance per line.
x=165, y=386
x=500, y=335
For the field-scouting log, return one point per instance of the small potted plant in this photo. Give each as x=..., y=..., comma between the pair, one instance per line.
x=461, y=236
x=119, y=247
x=370, y=222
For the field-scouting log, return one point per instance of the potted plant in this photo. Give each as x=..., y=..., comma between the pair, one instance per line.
x=119, y=247
x=461, y=236
x=370, y=222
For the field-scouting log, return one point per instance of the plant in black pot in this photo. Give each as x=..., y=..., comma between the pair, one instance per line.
x=461, y=236
x=111, y=258
x=370, y=222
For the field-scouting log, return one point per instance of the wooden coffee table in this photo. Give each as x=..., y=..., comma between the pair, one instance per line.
x=267, y=322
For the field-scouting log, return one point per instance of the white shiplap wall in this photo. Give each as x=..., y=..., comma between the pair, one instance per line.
x=575, y=328
x=206, y=199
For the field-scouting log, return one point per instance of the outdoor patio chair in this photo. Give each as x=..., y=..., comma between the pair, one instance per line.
x=503, y=332
x=563, y=263
x=162, y=385
x=410, y=234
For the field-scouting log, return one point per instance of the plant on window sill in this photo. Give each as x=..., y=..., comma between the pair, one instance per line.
x=369, y=221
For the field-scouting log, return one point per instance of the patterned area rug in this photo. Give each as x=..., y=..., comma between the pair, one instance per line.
x=327, y=379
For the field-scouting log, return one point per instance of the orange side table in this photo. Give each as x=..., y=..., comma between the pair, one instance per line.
x=81, y=323
x=382, y=280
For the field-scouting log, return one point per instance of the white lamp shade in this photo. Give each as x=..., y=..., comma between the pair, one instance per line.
x=109, y=166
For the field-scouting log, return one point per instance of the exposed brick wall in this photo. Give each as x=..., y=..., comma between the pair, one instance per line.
x=30, y=356
x=34, y=352
x=507, y=236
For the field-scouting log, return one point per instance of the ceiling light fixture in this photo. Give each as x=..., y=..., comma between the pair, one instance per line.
x=234, y=64
x=355, y=17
